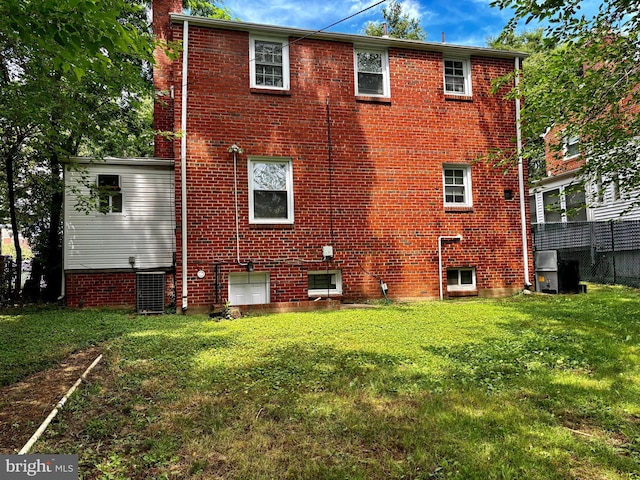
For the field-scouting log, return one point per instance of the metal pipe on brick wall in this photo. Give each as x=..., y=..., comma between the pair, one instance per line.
x=440, y=239
x=521, y=186
x=183, y=164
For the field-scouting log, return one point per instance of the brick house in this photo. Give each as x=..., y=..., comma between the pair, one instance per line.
x=563, y=194
x=314, y=165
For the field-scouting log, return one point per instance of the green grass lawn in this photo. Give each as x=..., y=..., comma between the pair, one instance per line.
x=530, y=387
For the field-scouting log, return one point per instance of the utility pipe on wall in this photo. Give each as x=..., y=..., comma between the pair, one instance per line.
x=183, y=163
x=440, y=239
x=235, y=150
x=523, y=194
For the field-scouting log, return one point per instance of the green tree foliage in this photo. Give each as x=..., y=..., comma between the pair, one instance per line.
x=529, y=41
x=588, y=85
x=206, y=8
x=75, y=79
x=398, y=23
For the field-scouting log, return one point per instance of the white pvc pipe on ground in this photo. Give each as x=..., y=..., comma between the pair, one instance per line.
x=34, y=438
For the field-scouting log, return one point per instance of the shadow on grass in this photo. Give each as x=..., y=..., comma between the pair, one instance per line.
x=320, y=412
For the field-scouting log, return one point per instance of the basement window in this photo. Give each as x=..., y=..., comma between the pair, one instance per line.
x=324, y=283
x=109, y=194
x=461, y=279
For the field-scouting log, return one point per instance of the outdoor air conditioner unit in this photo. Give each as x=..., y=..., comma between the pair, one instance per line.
x=150, y=292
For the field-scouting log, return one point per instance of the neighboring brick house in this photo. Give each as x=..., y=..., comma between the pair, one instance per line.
x=564, y=195
x=311, y=165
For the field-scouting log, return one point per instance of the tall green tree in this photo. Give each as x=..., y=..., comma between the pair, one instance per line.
x=75, y=79
x=397, y=22
x=589, y=84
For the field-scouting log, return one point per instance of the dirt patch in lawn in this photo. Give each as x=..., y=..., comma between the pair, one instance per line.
x=26, y=404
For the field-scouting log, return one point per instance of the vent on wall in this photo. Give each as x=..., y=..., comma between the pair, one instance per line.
x=150, y=289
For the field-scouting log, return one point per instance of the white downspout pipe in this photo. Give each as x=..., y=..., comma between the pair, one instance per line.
x=523, y=194
x=443, y=237
x=183, y=164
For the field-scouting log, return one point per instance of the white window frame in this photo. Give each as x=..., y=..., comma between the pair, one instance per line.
x=319, y=292
x=110, y=197
x=253, y=62
x=462, y=287
x=466, y=176
x=569, y=141
x=386, y=84
x=466, y=68
x=288, y=188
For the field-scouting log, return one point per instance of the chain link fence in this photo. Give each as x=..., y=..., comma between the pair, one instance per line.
x=606, y=252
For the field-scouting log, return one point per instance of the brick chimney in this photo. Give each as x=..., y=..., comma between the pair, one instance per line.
x=163, y=76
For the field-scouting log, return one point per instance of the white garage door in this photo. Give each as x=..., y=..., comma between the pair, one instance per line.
x=251, y=288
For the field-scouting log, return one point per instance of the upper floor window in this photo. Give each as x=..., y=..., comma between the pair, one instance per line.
x=270, y=190
x=372, y=73
x=457, y=185
x=571, y=146
x=457, y=76
x=109, y=194
x=269, y=63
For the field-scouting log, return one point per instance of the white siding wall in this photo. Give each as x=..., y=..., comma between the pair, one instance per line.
x=612, y=209
x=608, y=209
x=145, y=229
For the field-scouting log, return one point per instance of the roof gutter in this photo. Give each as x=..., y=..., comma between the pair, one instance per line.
x=183, y=164
x=523, y=194
x=364, y=40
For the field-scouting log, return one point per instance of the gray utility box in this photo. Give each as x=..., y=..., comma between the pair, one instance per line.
x=554, y=275
x=546, y=262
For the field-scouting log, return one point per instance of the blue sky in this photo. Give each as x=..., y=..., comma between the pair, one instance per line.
x=468, y=22
x=464, y=22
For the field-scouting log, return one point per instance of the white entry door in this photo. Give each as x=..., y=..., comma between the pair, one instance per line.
x=251, y=288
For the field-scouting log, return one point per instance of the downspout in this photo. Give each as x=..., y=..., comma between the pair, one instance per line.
x=183, y=163
x=523, y=211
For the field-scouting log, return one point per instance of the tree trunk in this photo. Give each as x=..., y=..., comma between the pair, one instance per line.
x=14, y=225
x=53, y=249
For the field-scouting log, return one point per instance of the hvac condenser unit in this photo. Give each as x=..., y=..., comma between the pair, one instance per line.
x=150, y=288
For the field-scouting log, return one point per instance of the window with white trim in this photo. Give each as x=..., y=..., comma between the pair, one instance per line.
x=552, y=206
x=460, y=279
x=270, y=190
x=575, y=200
x=109, y=194
x=269, y=63
x=372, y=72
x=457, y=185
x=571, y=146
x=324, y=282
x=457, y=76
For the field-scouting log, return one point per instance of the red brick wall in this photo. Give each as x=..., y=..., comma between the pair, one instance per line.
x=387, y=162
x=98, y=289
x=163, y=76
